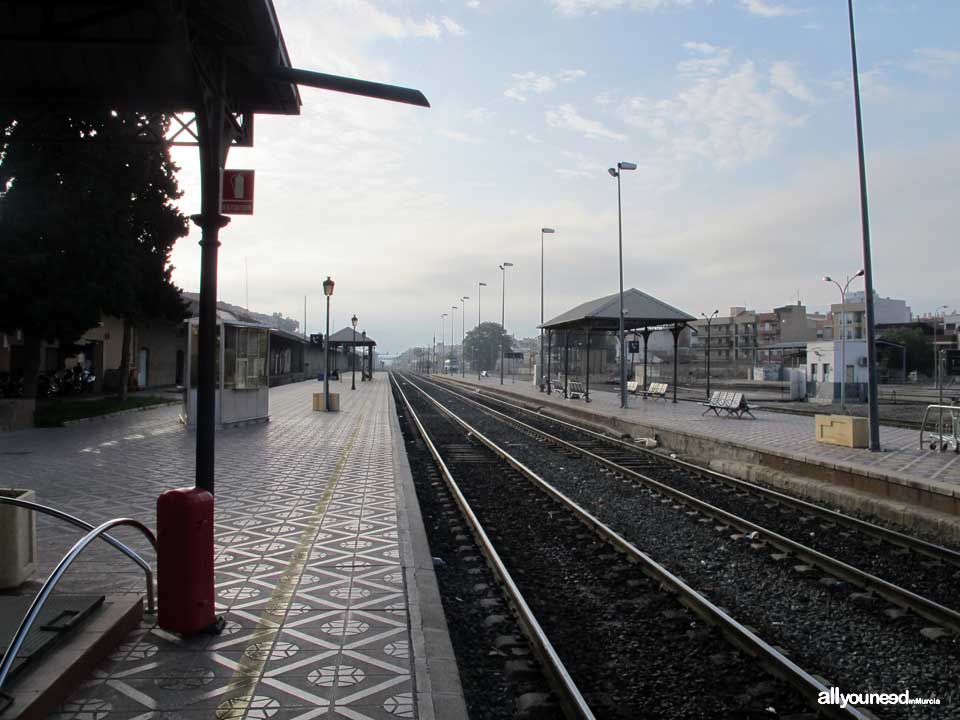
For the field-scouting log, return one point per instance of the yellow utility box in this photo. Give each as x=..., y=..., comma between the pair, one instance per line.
x=843, y=430
x=334, y=402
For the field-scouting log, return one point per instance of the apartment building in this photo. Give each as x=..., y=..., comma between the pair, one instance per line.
x=851, y=314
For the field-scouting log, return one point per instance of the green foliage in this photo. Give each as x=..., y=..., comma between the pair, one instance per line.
x=919, y=350
x=86, y=224
x=57, y=412
x=483, y=344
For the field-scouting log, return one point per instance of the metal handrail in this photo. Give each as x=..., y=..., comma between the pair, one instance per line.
x=954, y=411
x=83, y=524
x=51, y=582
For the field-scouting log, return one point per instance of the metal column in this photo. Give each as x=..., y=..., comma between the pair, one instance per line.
x=586, y=395
x=676, y=330
x=566, y=360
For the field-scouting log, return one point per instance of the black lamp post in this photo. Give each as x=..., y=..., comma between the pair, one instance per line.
x=476, y=347
x=327, y=291
x=615, y=172
x=709, y=322
x=503, y=300
x=463, y=335
x=353, y=353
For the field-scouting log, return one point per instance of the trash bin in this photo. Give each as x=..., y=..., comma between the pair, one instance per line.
x=18, y=539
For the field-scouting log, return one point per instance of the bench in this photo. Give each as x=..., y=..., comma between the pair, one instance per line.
x=632, y=387
x=656, y=390
x=732, y=403
x=575, y=390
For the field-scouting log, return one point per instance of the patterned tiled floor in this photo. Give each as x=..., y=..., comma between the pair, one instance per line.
x=776, y=432
x=308, y=566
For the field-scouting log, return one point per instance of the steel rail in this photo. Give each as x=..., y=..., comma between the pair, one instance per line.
x=572, y=702
x=736, y=633
x=84, y=525
x=51, y=582
x=933, y=611
x=931, y=550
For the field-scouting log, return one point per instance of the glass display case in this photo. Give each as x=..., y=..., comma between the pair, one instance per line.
x=241, y=372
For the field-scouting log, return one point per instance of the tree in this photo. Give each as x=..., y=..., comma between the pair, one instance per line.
x=919, y=351
x=482, y=344
x=86, y=227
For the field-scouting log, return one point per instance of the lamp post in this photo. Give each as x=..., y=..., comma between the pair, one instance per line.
x=327, y=291
x=442, y=348
x=503, y=300
x=363, y=360
x=463, y=336
x=843, y=335
x=709, y=322
x=353, y=352
x=874, y=406
x=543, y=231
x=936, y=355
x=476, y=352
x=615, y=172
x=453, y=332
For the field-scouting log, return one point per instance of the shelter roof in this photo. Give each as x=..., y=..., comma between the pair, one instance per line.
x=135, y=54
x=640, y=310
x=346, y=337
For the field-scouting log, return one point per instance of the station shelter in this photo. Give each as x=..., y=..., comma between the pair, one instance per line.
x=358, y=348
x=596, y=319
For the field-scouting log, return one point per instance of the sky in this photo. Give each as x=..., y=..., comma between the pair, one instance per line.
x=738, y=113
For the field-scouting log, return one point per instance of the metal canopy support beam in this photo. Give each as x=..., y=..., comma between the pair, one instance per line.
x=586, y=394
x=549, y=359
x=211, y=122
x=566, y=360
x=676, y=330
x=646, y=337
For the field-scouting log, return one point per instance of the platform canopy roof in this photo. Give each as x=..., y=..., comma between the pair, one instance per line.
x=640, y=310
x=141, y=54
x=346, y=337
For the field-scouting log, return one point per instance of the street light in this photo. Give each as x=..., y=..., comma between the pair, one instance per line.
x=353, y=352
x=874, y=406
x=709, y=322
x=442, y=331
x=615, y=172
x=843, y=335
x=327, y=291
x=936, y=355
x=543, y=231
x=453, y=332
x=476, y=349
x=363, y=361
x=503, y=300
x=463, y=336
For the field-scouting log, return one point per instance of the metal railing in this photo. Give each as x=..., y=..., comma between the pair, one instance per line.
x=94, y=532
x=940, y=440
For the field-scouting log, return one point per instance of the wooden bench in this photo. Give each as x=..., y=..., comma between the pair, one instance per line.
x=575, y=390
x=732, y=403
x=656, y=390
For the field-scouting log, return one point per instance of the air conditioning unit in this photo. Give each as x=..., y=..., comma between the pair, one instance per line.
x=862, y=362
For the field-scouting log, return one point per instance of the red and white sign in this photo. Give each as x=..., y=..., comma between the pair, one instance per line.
x=237, y=194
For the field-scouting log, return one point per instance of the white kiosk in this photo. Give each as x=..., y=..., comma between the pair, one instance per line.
x=243, y=392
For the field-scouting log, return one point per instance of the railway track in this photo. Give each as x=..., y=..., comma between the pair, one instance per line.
x=845, y=624
x=908, y=571
x=637, y=639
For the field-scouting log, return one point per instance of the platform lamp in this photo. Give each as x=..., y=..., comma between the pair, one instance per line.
x=709, y=322
x=453, y=332
x=463, y=335
x=843, y=335
x=353, y=354
x=327, y=291
x=503, y=314
x=476, y=351
x=543, y=231
x=615, y=172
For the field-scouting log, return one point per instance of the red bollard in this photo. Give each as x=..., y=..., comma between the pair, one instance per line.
x=185, y=561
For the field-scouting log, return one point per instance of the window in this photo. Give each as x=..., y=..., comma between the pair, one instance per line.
x=813, y=371
x=826, y=372
x=245, y=358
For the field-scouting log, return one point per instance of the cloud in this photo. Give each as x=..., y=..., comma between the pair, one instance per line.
x=527, y=83
x=458, y=136
x=579, y=7
x=935, y=62
x=724, y=113
x=479, y=115
x=567, y=117
x=782, y=75
x=452, y=26
x=766, y=9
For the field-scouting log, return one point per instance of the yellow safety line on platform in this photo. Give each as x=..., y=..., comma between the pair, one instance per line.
x=247, y=675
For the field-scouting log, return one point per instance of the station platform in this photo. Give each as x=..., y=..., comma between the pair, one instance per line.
x=919, y=487
x=319, y=502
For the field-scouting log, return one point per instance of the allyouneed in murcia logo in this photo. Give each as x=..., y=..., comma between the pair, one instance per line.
x=835, y=697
